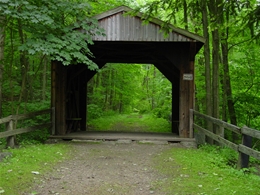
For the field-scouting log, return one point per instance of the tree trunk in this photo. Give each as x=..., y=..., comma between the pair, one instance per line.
x=24, y=63
x=111, y=96
x=213, y=7
x=185, y=14
x=44, y=72
x=228, y=89
x=154, y=88
x=2, y=43
x=207, y=66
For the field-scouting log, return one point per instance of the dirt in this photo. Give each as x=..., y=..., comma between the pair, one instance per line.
x=110, y=167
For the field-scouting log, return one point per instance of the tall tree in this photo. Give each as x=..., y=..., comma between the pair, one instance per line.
x=215, y=10
x=51, y=27
x=42, y=28
x=2, y=42
x=206, y=53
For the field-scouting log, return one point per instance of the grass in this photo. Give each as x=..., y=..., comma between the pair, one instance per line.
x=16, y=172
x=191, y=171
x=130, y=122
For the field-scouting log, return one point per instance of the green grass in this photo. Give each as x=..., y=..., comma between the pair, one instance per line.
x=16, y=172
x=130, y=122
x=191, y=171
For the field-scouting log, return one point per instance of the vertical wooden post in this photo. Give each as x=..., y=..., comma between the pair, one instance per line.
x=243, y=159
x=175, y=105
x=62, y=100
x=187, y=88
x=83, y=99
x=10, y=140
x=53, y=121
x=58, y=96
x=53, y=94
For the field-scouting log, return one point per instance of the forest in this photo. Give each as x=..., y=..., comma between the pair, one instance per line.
x=32, y=33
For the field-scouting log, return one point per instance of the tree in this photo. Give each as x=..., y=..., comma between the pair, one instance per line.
x=34, y=30
x=123, y=88
x=2, y=42
x=225, y=26
x=52, y=28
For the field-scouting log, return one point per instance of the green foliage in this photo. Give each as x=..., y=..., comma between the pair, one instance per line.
x=123, y=88
x=222, y=155
x=52, y=28
x=162, y=112
x=94, y=111
x=100, y=6
x=205, y=172
x=35, y=137
x=25, y=160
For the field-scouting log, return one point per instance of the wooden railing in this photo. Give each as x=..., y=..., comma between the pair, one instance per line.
x=244, y=149
x=11, y=132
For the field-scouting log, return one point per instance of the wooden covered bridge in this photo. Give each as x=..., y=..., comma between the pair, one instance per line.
x=128, y=40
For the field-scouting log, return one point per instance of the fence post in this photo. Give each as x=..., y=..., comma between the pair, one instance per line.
x=53, y=121
x=10, y=140
x=243, y=159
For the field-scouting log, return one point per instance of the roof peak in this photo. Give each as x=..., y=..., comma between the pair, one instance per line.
x=157, y=21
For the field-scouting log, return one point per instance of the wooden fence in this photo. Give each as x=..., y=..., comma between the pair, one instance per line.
x=11, y=132
x=244, y=149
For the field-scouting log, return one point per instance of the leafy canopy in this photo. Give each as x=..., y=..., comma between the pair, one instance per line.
x=61, y=29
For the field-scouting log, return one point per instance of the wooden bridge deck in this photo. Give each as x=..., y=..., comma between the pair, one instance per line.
x=134, y=136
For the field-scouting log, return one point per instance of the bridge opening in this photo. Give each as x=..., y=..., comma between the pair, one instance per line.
x=129, y=98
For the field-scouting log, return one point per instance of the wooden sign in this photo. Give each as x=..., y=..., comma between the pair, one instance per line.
x=187, y=77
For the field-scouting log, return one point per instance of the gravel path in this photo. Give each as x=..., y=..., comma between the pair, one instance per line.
x=109, y=167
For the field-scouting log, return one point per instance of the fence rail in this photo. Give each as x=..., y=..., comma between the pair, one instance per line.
x=11, y=132
x=244, y=149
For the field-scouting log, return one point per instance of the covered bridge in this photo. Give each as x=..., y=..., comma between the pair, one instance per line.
x=128, y=40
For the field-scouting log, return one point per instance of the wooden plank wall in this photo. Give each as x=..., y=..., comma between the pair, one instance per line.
x=58, y=97
x=187, y=87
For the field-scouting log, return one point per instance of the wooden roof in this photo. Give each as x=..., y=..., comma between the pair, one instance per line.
x=119, y=26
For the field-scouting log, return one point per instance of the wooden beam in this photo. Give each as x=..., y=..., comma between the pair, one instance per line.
x=91, y=73
x=10, y=140
x=53, y=92
x=219, y=122
x=217, y=137
x=249, y=151
x=83, y=99
x=251, y=132
x=24, y=130
x=168, y=70
x=59, y=97
x=53, y=122
x=30, y=115
x=186, y=96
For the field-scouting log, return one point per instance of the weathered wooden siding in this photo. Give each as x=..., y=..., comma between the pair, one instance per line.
x=128, y=40
x=121, y=27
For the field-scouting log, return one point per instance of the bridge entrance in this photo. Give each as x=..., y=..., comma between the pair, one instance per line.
x=127, y=40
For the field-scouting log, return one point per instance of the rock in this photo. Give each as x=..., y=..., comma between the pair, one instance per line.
x=200, y=138
x=4, y=155
x=1, y=190
x=153, y=142
x=51, y=141
x=124, y=141
x=189, y=144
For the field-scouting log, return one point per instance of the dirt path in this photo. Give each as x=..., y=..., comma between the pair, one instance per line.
x=106, y=168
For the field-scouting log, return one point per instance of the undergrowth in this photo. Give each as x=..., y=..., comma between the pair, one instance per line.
x=207, y=170
x=18, y=172
x=130, y=122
